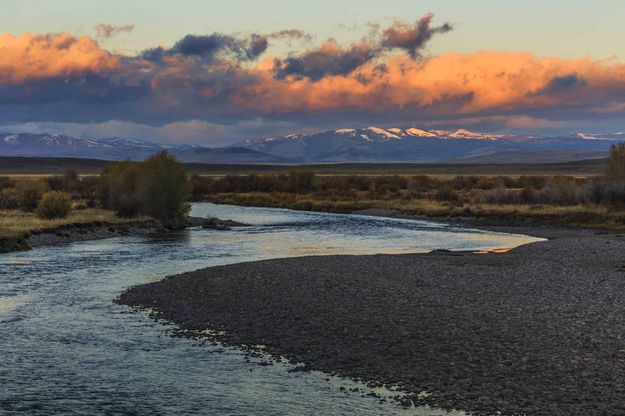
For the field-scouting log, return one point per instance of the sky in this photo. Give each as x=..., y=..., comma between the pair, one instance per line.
x=214, y=73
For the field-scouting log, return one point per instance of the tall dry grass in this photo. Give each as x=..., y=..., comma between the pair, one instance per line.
x=15, y=223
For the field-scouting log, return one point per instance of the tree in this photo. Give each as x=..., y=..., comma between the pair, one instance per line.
x=615, y=168
x=158, y=187
x=301, y=181
x=118, y=188
x=164, y=189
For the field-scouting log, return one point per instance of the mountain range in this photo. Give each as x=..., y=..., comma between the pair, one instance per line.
x=371, y=144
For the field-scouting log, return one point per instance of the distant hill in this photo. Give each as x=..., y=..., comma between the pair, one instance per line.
x=375, y=145
x=367, y=145
x=52, y=145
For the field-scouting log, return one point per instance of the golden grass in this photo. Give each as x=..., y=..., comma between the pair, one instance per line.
x=575, y=215
x=16, y=223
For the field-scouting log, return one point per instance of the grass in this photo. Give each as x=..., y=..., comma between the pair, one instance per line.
x=588, y=215
x=17, y=224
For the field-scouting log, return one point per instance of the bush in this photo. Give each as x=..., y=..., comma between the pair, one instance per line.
x=446, y=193
x=615, y=168
x=5, y=183
x=164, y=189
x=118, y=188
x=9, y=199
x=29, y=193
x=301, y=181
x=54, y=204
x=158, y=187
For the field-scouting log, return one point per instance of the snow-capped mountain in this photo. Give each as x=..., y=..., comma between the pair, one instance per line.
x=374, y=144
x=617, y=136
x=370, y=144
x=53, y=145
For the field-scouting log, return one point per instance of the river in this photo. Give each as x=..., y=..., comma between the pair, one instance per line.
x=66, y=348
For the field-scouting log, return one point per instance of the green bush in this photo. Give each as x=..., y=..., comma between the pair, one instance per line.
x=54, y=204
x=118, y=188
x=158, y=187
x=164, y=189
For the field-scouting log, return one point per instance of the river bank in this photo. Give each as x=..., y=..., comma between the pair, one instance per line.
x=472, y=213
x=97, y=230
x=537, y=330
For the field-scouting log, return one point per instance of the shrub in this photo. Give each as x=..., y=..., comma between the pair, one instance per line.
x=446, y=193
x=9, y=199
x=118, y=188
x=164, y=189
x=5, y=183
x=301, y=181
x=54, y=204
x=29, y=193
x=615, y=168
x=158, y=187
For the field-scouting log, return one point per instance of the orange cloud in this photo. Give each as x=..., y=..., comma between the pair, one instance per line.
x=32, y=56
x=467, y=83
x=507, y=89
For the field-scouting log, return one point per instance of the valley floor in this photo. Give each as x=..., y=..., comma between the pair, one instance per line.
x=538, y=330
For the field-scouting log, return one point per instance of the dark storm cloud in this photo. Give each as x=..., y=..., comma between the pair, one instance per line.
x=329, y=59
x=564, y=83
x=561, y=85
x=412, y=38
x=209, y=46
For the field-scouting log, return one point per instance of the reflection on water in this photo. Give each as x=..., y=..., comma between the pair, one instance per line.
x=66, y=348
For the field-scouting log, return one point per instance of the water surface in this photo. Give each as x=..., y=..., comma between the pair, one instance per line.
x=65, y=348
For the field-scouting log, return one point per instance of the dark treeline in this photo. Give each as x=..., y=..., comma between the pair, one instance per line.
x=527, y=189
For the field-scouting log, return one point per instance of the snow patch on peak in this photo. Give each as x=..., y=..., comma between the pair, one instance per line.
x=619, y=135
x=464, y=134
x=467, y=134
x=381, y=132
x=12, y=138
x=421, y=133
x=345, y=131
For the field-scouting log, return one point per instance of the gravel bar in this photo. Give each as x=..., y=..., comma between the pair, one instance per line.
x=539, y=330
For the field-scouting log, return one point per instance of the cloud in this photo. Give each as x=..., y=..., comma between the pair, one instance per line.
x=328, y=59
x=331, y=59
x=225, y=80
x=290, y=34
x=107, y=31
x=209, y=46
x=38, y=57
x=563, y=83
x=412, y=38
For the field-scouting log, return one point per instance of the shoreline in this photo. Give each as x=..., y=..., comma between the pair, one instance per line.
x=75, y=232
x=98, y=230
x=536, y=330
